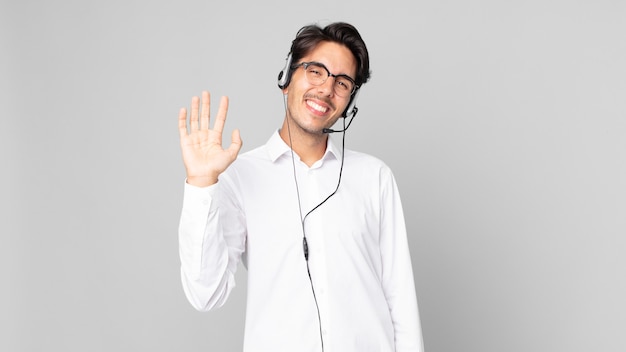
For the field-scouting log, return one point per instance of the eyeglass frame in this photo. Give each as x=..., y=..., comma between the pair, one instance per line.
x=355, y=87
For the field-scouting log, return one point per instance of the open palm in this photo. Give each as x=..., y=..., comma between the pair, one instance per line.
x=203, y=155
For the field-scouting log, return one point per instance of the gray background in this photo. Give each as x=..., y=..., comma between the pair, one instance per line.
x=505, y=124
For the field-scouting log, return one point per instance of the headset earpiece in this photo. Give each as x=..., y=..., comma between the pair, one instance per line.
x=284, y=76
x=351, y=109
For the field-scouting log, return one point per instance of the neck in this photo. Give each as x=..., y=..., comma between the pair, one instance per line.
x=309, y=147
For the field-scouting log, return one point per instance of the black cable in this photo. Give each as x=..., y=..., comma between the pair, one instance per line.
x=305, y=245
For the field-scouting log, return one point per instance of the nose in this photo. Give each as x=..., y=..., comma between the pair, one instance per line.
x=328, y=87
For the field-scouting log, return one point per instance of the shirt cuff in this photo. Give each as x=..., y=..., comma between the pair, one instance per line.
x=199, y=197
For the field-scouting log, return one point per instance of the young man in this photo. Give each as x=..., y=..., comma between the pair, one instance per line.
x=320, y=229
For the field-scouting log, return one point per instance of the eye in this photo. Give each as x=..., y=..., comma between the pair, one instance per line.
x=315, y=71
x=343, y=84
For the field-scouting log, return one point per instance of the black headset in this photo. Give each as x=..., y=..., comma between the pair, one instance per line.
x=284, y=77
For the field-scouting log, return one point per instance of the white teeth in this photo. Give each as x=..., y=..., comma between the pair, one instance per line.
x=316, y=106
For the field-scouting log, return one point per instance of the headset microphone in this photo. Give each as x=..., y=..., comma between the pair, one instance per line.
x=353, y=111
x=350, y=110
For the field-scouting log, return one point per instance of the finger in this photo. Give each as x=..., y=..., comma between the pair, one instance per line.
x=220, y=119
x=206, y=110
x=195, y=105
x=182, y=122
x=235, y=143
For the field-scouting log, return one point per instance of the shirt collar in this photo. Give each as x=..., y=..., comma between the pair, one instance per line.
x=276, y=147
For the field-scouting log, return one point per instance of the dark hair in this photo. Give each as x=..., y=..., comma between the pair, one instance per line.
x=310, y=36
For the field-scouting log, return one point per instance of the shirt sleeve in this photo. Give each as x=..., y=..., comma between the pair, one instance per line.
x=209, y=248
x=398, y=282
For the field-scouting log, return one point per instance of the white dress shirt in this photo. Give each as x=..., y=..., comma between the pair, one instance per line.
x=359, y=261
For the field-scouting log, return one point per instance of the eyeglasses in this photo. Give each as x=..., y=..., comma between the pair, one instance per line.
x=316, y=74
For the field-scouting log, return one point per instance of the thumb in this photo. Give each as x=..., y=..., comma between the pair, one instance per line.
x=235, y=143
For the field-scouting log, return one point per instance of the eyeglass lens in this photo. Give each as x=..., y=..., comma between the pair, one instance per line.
x=317, y=74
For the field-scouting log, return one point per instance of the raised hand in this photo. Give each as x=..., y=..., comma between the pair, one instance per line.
x=203, y=155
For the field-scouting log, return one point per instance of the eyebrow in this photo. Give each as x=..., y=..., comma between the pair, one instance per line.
x=338, y=74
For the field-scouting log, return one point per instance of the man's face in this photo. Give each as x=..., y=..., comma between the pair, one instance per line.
x=314, y=108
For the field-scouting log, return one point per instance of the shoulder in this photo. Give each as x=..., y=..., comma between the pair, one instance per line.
x=366, y=165
x=256, y=161
x=365, y=160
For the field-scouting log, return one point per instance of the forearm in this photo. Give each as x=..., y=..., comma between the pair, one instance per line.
x=404, y=312
x=209, y=256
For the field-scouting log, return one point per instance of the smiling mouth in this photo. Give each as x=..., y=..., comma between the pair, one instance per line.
x=316, y=106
